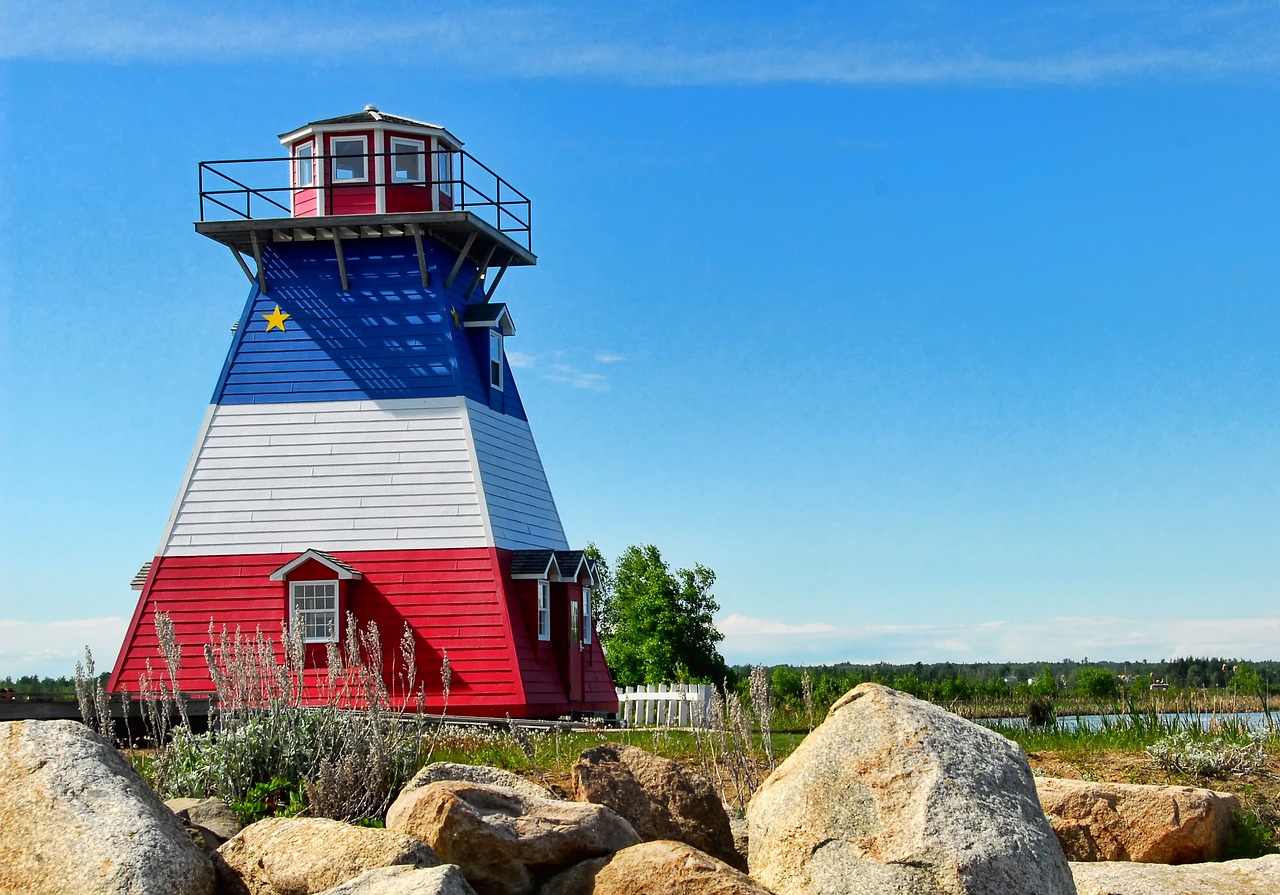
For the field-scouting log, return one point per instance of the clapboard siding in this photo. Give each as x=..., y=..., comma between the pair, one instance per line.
x=386, y=337
x=455, y=601
x=522, y=512
x=347, y=475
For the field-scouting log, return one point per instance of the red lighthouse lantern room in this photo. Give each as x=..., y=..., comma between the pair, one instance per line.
x=371, y=163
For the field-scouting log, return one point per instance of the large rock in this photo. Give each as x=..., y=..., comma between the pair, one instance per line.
x=657, y=797
x=1127, y=822
x=447, y=879
x=505, y=841
x=448, y=770
x=893, y=794
x=76, y=819
x=662, y=867
x=1256, y=876
x=301, y=856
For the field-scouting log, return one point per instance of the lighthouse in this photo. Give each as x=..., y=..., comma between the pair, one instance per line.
x=366, y=456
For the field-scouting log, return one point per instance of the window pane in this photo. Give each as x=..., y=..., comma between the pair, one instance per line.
x=406, y=162
x=306, y=166
x=495, y=359
x=444, y=172
x=349, y=163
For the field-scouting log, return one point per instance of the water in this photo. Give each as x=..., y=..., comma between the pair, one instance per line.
x=1202, y=720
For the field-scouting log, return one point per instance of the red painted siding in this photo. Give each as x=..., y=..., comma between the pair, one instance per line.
x=454, y=601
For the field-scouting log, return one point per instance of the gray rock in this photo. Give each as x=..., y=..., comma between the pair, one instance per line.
x=895, y=795
x=482, y=774
x=1128, y=822
x=209, y=822
x=504, y=841
x=76, y=819
x=447, y=879
x=1257, y=876
x=305, y=855
x=658, y=797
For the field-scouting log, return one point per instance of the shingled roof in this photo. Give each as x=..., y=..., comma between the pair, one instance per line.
x=372, y=115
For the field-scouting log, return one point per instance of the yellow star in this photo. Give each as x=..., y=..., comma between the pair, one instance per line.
x=275, y=320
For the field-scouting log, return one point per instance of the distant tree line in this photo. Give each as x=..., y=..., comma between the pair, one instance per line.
x=30, y=683
x=949, y=682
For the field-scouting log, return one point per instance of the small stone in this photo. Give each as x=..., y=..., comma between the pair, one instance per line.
x=448, y=770
x=661, y=867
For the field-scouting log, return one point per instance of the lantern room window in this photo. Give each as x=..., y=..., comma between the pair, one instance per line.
x=305, y=175
x=444, y=171
x=350, y=159
x=315, y=610
x=495, y=359
x=544, y=609
x=408, y=161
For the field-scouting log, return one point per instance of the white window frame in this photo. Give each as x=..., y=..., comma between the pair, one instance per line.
x=544, y=609
x=417, y=148
x=443, y=170
x=495, y=359
x=310, y=159
x=586, y=615
x=298, y=617
x=334, y=155
x=575, y=623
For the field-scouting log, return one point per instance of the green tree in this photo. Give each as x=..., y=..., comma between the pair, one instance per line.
x=1044, y=683
x=1098, y=683
x=1247, y=680
x=656, y=625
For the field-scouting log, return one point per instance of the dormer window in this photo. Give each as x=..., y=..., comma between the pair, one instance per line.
x=314, y=597
x=350, y=159
x=495, y=359
x=305, y=174
x=408, y=161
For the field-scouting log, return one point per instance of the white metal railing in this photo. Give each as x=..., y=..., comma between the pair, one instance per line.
x=669, y=705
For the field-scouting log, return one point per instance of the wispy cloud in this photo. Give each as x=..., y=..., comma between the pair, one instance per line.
x=607, y=358
x=761, y=640
x=53, y=648
x=899, y=43
x=520, y=360
x=571, y=375
x=746, y=626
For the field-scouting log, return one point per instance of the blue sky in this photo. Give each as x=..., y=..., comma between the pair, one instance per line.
x=939, y=331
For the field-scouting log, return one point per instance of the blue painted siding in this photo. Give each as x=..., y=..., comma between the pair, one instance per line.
x=388, y=337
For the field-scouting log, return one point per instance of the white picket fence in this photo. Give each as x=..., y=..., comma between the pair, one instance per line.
x=664, y=705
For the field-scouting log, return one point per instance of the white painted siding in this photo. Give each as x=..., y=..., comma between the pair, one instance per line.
x=341, y=475
x=521, y=509
x=362, y=475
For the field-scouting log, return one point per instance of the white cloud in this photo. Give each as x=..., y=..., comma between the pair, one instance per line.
x=1119, y=639
x=916, y=44
x=746, y=626
x=577, y=378
x=607, y=358
x=520, y=361
x=51, y=649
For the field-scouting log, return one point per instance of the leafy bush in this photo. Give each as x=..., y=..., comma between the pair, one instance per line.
x=1098, y=683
